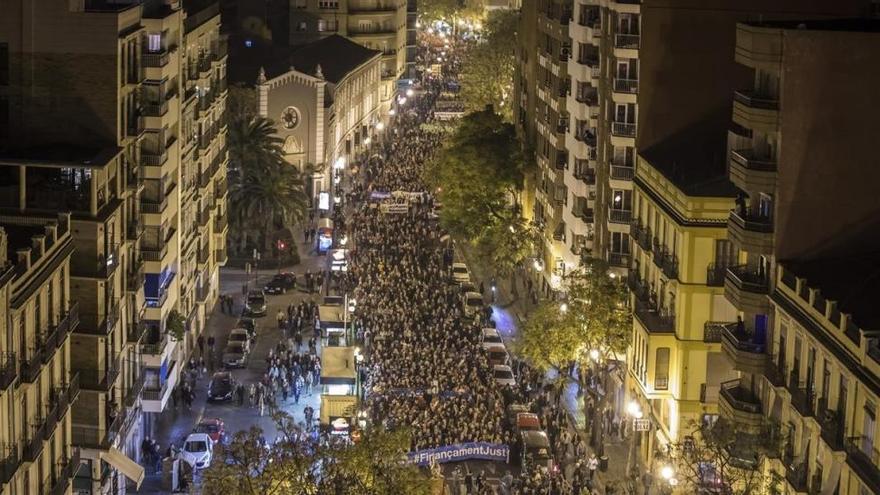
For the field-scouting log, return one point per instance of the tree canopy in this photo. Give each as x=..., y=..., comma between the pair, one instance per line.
x=595, y=317
x=488, y=66
x=477, y=176
x=297, y=464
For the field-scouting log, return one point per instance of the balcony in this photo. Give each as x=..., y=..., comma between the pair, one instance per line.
x=831, y=422
x=713, y=331
x=750, y=232
x=221, y=256
x=619, y=216
x=622, y=172
x=135, y=276
x=623, y=129
x=156, y=206
x=863, y=458
x=751, y=172
x=641, y=235
x=626, y=41
x=619, y=260
x=587, y=215
x=102, y=268
x=157, y=59
x=220, y=188
x=203, y=255
x=796, y=476
x=99, y=379
x=740, y=405
x=669, y=265
x=715, y=275
x=755, y=112
x=103, y=325
x=803, y=397
x=203, y=216
x=742, y=349
x=133, y=393
x=636, y=285
x=154, y=253
x=746, y=288
x=9, y=464
x=8, y=369
x=68, y=468
x=30, y=368
x=629, y=86
x=150, y=158
x=654, y=320
x=588, y=176
x=136, y=331
x=33, y=445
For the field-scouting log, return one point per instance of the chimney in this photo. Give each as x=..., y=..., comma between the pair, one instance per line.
x=4, y=245
x=24, y=257
x=38, y=242
x=51, y=232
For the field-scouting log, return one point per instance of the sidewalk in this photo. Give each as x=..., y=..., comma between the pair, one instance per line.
x=508, y=314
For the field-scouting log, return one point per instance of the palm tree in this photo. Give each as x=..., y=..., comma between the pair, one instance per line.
x=266, y=193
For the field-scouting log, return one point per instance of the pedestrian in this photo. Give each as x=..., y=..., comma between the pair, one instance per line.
x=262, y=404
x=202, y=368
x=252, y=392
x=309, y=413
x=211, y=343
x=146, y=451
x=593, y=464
x=297, y=388
x=280, y=318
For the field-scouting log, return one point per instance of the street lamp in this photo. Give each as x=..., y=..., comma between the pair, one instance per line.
x=563, y=307
x=380, y=126
x=594, y=354
x=634, y=410
x=410, y=92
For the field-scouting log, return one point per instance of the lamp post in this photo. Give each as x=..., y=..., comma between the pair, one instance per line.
x=634, y=411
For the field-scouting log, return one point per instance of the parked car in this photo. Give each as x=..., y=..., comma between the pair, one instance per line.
x=248, y=324
x=281, y=283
x=235, y=355
x=491, y=336
x=222, y=387
x=460, y=273
x=213, y=427
x=496, y=354
x=466, y=287
x=198, y=449
x=526, y=421
x=503, y=375
x=256, y=303
x=535, y=451
x=240, y=335
x=473, y=304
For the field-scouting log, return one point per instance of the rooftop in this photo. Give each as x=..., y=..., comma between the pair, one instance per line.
x=694, y=160
x=337, y=55
x=852, y=25
x=852, y=281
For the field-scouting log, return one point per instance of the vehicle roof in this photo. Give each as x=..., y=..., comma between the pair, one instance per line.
x=527, y=418
x=495, y=348
x=459, y=264
x=234, y=344
x=211, y=421
x=238, y=330
x=490, y=331
x=222, y=374
x=255, y=293
x=473, y=295
x=536, y=439
x=502, y=367
x=197, y=437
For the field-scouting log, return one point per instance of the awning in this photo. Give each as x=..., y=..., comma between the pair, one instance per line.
x=126, y=466
x=337, y=365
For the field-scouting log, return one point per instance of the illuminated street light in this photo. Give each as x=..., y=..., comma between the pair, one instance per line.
x=392, y=112
x=634, y=410
x=402, y=100
x=594, y=354
x=410, y=92
x=538, y=266
x=367, y=140
x=563, y=307
x=666, y=472
x=380, y=126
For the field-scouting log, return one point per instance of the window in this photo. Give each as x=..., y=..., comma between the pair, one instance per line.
x=322, y=25
x=328, y=4
x=154, y=43
x=661, y=369
x=302, y=26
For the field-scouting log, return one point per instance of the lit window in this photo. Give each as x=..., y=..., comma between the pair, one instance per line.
x=154, y=43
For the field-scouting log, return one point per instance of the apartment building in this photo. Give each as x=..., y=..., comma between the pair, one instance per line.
x=541, y=89
x=806, y=353
x=679, y=234
x=601, y=137
x=183, y=154
x=36, y=383
x=92, y=102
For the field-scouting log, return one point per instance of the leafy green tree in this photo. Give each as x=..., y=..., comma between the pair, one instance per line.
x=488, y=67
x=431, y=10
x=265, y=192
x=175, y=325
x=595, y=317
x=727, y=456
x=478, y=175
x=374, y=465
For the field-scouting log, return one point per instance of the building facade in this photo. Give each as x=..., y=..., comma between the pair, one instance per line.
x=93, y=101
x=38, y=387
x=325, y=98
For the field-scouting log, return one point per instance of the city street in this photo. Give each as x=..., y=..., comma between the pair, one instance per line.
x=175, y=424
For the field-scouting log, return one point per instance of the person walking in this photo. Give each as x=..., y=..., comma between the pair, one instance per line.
x=280, y=318
x=262, y=404
x=211, y=343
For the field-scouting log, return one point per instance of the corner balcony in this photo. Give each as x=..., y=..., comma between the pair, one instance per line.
x=653, y=320
x=715, y=275
x=750, y=232
x=746, y=289
x=619, y=260
x=623, y=129
x=740, y=405
x=622, y=172
x=623, y=217
x=862, y=457
x=831, y=422
x=641, y=235
x=803, y=397
x=752, y=172
x=754, y=111
x=743, y=351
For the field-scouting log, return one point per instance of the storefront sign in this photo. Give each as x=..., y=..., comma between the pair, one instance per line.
x=461, y=452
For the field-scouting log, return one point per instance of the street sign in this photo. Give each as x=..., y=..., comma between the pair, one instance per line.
x=642, y=424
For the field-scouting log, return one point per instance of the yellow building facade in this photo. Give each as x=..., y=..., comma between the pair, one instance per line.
x=675, y=364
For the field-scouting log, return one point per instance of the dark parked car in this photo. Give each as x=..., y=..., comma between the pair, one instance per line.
x=235, y=355
x=222, y=387
x=281, y=283
x=248, y=324
x=256, y=303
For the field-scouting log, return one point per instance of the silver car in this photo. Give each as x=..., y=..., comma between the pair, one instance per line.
x=235, y=355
